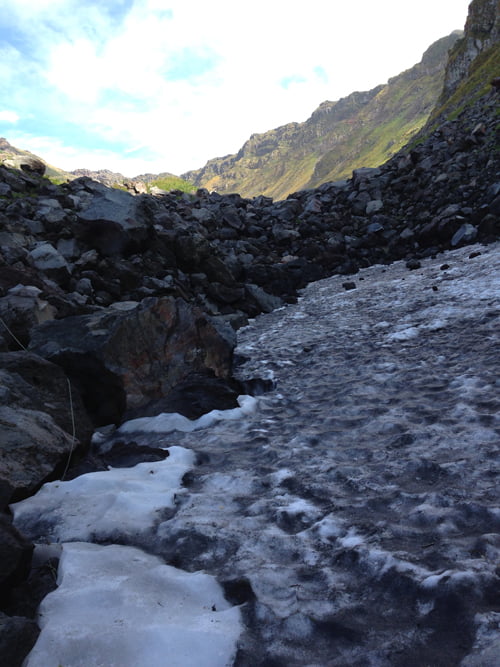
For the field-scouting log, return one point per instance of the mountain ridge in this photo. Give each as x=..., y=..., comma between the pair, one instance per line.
x=364, y=128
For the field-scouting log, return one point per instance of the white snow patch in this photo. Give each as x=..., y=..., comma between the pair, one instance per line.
x=120, y=607
x=404, y=334
x=100, y=503
x=173, y=421
x=281, y=475
x=351, y=541
x=328, y=529
x=300, y=506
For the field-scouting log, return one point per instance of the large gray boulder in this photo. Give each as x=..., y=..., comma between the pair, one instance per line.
x=28, y=163
x=114, y=222
x=21, y=309
x=31, y=382
x=133, y=355
x=113, y=206
x=32, y=448
x=42, y=424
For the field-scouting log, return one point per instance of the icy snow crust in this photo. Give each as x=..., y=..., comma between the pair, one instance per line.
x=116, y=606
x=166, y=422
x=354, y=514
x=102, y=505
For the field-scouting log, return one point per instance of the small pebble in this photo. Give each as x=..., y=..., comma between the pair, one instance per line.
x=413, y=264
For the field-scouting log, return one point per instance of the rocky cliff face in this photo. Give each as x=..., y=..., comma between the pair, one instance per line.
x=482, y=31
x=363, y=129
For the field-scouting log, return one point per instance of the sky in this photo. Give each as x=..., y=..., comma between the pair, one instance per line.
x=140, y=86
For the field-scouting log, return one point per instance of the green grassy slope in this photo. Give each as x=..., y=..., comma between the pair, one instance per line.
x=363, y=129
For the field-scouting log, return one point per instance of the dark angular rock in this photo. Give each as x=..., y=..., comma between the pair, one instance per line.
x=15, y=556
x=232, y=218
x=266, y=302
x=225, y=294
x=34, y=383
x=17, y=637
x=464, y=234
x=113, y=223
x=495, y=206
x=124, y=358
x=21, y=310
x=413, y=264
x=32, y=449
x=374, y=227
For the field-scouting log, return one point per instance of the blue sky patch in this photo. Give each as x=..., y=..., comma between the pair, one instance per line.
x=116, y=10
x=321, y=74
x=14, y=36
x=287, y=81
x=190, y=63
x=65, y=132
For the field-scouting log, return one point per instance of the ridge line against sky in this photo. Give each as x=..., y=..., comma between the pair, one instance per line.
x=142, y=86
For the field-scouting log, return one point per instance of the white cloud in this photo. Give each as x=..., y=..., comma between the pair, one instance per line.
x=9, y=116
x=63, y=155
x=191, y=80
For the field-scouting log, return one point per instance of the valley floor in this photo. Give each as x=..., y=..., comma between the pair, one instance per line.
x=350, y=516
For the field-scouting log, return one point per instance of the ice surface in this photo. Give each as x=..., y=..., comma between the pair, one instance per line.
x=116, y=606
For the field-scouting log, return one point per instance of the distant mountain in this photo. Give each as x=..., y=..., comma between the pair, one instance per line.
x=104, y=176
x=19, y=158
x=362, y=129
x=142, y=183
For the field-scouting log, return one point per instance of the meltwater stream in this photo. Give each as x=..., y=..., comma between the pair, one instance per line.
x=348, y=517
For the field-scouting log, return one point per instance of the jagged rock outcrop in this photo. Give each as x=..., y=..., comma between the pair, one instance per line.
x=482, y=31
x=26, y=163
